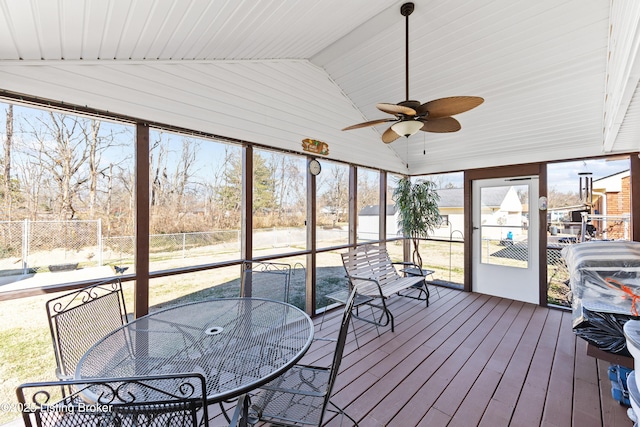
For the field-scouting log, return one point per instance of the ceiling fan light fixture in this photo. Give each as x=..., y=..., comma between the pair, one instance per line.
x=407, y=127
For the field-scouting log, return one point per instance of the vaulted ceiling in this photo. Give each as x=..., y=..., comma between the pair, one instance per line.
x=559, y=77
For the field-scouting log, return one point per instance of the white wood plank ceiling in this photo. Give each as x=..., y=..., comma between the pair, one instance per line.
x=559, y=77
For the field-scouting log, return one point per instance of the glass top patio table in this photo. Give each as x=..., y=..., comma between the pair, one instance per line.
x=238, y=344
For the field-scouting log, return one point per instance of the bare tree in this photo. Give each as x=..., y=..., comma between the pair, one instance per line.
x=8, y=200
x=185, y=170
x=229, y=193
x=98, y=143
x=158, y=170
x=69, y=149
x=32, y=183
x=558, y=199
x=289, y=190
x=109, y=198
x=62, y=151
x=214, y=198
x=125, y=201
x=368, y=189
x=276, y=167
x=335, y=193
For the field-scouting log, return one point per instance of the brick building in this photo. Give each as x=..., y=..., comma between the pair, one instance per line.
x=612, y=206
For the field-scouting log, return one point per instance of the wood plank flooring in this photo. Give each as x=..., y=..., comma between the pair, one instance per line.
x=468, y=360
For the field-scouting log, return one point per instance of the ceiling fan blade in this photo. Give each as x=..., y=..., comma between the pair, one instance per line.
x=389, y=135
x=411, y=104
x=445, y=107
x=369, y=123
x=396, y=109
x=443, y=125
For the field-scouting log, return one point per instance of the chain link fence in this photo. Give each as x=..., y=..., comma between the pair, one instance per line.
x=31, y=246
x=121, y=249
x=40, y=246
x=12, y=236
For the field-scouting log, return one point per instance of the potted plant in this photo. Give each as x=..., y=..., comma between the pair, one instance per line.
x=419, y=215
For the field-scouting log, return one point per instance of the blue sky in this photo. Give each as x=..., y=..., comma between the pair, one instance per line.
x=561, y=176
x=564, y=176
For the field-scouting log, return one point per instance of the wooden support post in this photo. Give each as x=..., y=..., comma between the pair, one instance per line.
x=310, y=301
x=247, y=203
x=353, y=205
x=141, y=287
x=382, y=226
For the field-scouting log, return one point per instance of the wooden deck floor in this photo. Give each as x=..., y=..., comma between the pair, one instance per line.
x=467, y=360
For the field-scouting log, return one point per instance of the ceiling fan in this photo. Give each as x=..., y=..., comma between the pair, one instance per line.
x=412, y=116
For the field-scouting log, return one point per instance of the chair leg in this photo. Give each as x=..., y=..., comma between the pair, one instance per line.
x=241, y=414
x=426, y=285
x=353, y=326
x=343, y=414
x=388, y=314
x=373, y=316
x=322, y=321
x=383, y=320
x=438, y=291
x=421, y=288
x=426, y=291
x=224, y=410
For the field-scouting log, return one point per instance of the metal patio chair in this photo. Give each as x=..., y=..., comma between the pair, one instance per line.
x=268, y=280
x=301, y=396
x=78, y=319
x=163, y=400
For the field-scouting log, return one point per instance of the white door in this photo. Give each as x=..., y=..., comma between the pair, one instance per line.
x=505, y=238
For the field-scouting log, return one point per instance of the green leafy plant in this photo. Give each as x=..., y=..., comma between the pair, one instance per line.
x=419, y=215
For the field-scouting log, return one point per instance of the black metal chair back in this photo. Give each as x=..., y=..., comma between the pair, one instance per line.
x=163, y=400
x=78, y=319
x=302, y=395
x=340, y=344
x=268, y=280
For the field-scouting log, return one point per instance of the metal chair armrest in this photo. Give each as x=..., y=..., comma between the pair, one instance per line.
x=366, y=279
x=409, y=264
x=61, y=376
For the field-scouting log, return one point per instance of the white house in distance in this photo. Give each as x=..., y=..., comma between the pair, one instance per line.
x=368, y=222
x=501, y=207
x=502, y=213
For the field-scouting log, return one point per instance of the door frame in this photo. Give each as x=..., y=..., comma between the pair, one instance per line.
x=531, y=169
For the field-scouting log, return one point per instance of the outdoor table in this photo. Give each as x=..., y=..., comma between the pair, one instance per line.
x=414, y=271
x=238, y=344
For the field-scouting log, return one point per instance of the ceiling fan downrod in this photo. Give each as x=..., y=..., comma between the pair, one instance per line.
x=406, y=10
x=411, y=116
